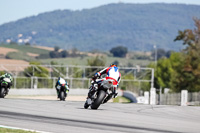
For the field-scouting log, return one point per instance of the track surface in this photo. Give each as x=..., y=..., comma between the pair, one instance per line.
x=69, y=116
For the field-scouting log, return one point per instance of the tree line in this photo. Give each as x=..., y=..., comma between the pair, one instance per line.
x=181, y=71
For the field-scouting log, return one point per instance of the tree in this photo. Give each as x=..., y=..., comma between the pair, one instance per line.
x=54, y=54
x=96, y=61
x=36, y=70
x=119, y=51
x=57, y=71
x=191, y=69
x=64, y=53
x=56, y=48
x=27, y=44
x=168, y=72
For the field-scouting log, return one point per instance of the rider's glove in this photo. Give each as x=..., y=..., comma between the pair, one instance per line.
x=97, y=74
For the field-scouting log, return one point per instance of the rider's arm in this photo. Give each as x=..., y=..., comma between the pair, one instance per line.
x=101, y=72
x=119, y=79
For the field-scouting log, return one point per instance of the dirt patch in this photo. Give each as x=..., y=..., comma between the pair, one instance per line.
x=4, y=51
x=45, y=48
x=33, y=55
x=12, y=65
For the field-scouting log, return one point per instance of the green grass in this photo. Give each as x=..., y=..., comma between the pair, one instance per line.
x=120, y=99
x=19, y=56
x=6, y=130
x=22, y=52
x=83, y=61
x=26, y=48
x=66, y=61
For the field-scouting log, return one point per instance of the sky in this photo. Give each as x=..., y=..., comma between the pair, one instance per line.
x=12, y=10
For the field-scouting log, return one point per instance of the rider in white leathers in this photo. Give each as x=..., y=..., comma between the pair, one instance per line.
x=111, y=72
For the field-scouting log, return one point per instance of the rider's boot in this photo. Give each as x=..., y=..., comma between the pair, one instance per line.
x=58, y=93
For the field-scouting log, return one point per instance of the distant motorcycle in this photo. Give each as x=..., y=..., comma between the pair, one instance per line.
x=62, y=91
x=4, y=87
x=104, y=93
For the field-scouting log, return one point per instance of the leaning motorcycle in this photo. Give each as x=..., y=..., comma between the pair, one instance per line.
x=4, y=87
x=104, y=92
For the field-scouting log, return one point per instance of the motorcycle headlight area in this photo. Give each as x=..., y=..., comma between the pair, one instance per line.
x=58, y=87
x=7, y=80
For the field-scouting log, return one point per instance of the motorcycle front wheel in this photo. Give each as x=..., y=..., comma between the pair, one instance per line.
x=62, y=96
x=97, y=102
x=2, y=93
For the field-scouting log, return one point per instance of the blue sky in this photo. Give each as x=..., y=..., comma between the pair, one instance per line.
x=12, y=10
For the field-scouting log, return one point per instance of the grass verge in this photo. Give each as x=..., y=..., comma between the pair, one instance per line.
x=120, y=99
x=6, y=130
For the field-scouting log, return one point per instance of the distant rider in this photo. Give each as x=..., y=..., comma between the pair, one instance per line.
x=7, y=75
x=59, y=83
x=111, y=72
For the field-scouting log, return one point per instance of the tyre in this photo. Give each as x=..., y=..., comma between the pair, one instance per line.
x=2, y=93
x=62, y=96
x=101, y=95
x=86, y=105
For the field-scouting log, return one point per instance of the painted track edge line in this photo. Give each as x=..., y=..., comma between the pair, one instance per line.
x=10, y=127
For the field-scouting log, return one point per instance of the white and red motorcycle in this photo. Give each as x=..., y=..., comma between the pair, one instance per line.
x=105, y=89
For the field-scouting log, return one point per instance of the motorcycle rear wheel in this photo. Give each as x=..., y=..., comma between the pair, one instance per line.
x=100, y=97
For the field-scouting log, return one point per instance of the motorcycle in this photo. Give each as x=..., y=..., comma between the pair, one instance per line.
x=62, y=92
x=61, y=87
x=4, y=87
x=104, y=92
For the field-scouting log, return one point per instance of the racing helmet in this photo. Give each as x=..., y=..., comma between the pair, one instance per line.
x=8, y=75
x=113, y=65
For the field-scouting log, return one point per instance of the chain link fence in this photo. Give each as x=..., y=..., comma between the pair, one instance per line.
x=45, y=76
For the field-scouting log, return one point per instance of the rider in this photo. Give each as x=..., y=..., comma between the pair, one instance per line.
x=7, y=75
x=60, y=82
x=111, y=72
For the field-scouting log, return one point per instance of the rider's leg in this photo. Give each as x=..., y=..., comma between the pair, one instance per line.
x=57, y=91
x=93, y=88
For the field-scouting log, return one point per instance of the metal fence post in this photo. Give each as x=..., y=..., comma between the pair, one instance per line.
x=15, y=82
x=152, y=78
x=31, y=82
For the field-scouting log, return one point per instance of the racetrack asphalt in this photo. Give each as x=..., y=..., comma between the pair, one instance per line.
x=56, y=116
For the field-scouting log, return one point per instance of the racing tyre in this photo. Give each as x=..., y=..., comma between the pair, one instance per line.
x=86, y=105
x=100, y=97
x=62, y=96
x=2, y=93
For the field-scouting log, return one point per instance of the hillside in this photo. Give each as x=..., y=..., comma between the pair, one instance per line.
x=136, y=26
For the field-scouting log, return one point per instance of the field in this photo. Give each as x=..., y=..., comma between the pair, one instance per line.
x=4, y=51
x=83, y=61
x=28, y=53
x=10, y=64
x=26, y=49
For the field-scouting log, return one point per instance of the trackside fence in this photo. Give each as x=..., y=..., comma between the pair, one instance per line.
x=175, y=99
x=45, y=76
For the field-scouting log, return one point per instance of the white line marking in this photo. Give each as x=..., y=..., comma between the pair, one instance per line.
x=9, y=127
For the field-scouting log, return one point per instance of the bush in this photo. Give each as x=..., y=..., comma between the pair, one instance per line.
x=119, y=51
